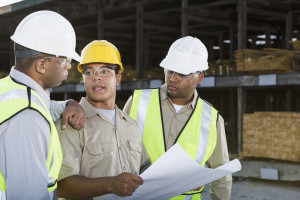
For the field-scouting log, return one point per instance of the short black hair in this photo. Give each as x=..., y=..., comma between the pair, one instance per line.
x=26, y=63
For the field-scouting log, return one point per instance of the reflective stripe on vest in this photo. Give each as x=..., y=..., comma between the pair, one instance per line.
x=15, y=98
x=197, y=138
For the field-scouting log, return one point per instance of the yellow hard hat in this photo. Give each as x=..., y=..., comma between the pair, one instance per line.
x=100, y=51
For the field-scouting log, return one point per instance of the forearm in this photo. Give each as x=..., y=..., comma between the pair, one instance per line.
x=56, y=109
x=79, y=187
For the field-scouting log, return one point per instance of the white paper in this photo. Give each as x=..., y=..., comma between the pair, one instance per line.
x=174, y=173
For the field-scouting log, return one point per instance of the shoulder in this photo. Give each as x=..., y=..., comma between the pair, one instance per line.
x=29, y=118
x=126, y=117
x=29, y=126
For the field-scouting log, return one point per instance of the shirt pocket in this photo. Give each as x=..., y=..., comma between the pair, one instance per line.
x=100, y=148
x=100, y=159
x=135, y=145
x=134, y=160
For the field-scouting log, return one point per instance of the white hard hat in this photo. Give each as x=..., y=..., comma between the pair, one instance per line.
x=186, y=55
x=47, y=32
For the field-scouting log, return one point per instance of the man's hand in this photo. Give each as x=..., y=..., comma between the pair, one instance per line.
x=197, y=189
x=126, y=183
x=74, y=115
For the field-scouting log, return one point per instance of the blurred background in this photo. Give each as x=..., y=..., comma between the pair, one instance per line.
x=253, y=79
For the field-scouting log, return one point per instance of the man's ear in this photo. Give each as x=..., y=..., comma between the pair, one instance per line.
x=40, y=65
x=200, y=78
x=118, y=79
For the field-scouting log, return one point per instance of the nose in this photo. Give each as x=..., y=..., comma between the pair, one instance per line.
x=172, y=79
x=94, y=76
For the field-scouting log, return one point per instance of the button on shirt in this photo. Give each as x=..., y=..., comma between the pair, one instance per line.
x=24, y=146
x=173, y=123
x=101, y=148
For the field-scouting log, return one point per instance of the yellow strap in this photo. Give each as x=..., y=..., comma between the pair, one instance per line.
x=135, y=104
x=212, y=137
x=190, y=135
x=153, y=130
x=2, y=182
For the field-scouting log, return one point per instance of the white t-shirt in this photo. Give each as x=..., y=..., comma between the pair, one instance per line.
x=177, y=107
x=110, y=114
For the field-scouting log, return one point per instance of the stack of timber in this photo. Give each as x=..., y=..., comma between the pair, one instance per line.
x=296, y=48
x=220, y=68
x=269, y=60
x=274, y=135
x=74, y=76
x=3, y=74
x=129, y=73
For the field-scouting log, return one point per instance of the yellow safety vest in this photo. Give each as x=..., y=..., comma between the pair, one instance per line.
x=15, y=98
x=197, y=138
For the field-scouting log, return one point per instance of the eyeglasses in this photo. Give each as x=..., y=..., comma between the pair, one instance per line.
x=180, y=77
x=89, y=73
x=63, y=61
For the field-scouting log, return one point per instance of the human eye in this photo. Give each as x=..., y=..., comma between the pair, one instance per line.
x=169, y=72
x=88, y=73
x=106, y=71
x=182, y=75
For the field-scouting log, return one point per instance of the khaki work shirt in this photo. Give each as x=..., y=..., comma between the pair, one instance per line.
x=101, y=148
x=174, y=122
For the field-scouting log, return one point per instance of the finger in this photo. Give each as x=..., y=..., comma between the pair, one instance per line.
x=134, y=185
x=199, y=188
x=138, y=179
x=65, y=120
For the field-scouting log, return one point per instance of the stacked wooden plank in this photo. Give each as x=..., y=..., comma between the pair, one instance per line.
x=296, y=45
x=271, y=59
x=296, y=48
x=273, y=135
x=3, y=74
x=220, y=68
x=74, y=76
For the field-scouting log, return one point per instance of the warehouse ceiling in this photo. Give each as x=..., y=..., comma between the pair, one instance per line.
x=159, y=22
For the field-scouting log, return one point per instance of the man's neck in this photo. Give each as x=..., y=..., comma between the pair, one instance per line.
x=182, y=100
x=107, y=105
x=32, y=75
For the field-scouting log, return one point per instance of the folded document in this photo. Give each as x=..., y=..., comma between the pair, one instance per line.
x=175, y=173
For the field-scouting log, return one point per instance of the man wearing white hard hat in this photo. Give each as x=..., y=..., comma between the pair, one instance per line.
x=167, y=115
x=30, y=152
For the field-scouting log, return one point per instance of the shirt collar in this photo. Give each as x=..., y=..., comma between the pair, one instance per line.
x=164, y=95
x=90, y=111
x=27, y=80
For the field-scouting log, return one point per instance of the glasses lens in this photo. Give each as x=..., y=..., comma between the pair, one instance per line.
x=102, y=72
x=180, y=77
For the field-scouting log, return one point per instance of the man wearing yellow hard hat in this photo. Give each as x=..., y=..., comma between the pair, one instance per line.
x=106, y=155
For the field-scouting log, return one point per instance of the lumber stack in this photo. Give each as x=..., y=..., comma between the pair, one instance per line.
x=296, y=48
x=220, y=68
x=269, y=59
x=3, y=74
x=273, y=135
x=74, y=76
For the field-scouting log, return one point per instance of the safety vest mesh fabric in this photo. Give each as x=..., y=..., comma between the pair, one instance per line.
x=16, y=98
x=197, y=138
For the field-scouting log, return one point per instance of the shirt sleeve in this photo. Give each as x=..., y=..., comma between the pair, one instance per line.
x=57, y=108
x=220, y=189
x=71, y=145
x=26, y=150
x=127, y=106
